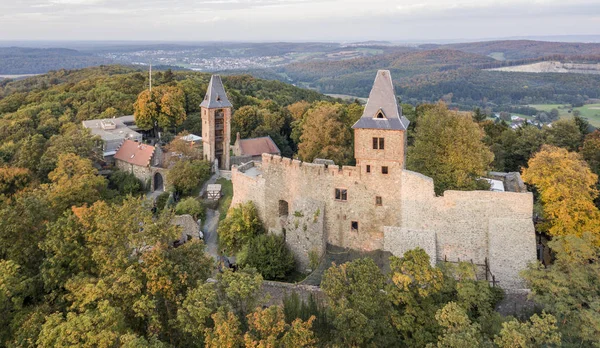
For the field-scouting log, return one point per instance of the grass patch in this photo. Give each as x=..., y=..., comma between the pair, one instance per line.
x=591, y=112
x=226, y=196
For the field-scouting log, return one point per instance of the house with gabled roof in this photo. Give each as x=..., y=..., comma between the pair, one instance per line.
x=142, y=160
x=253, y=148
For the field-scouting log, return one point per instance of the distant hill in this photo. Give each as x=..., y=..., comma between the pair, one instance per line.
x=461, y=78
x=522, y=49
x=20, y=60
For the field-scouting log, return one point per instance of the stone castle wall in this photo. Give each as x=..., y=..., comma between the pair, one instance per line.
x=465, y=225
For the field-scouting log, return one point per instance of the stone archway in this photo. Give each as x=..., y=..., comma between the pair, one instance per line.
x=159, y=184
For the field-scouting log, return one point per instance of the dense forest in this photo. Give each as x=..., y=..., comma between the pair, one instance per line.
x=523, y=49
x=87, y=261
x=20, y=60
x=431, y=75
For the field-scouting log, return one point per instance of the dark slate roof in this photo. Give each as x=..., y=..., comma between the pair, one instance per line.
x=382, y=99
x=215, y=95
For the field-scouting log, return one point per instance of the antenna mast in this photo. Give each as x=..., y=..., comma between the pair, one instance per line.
x=150, y=76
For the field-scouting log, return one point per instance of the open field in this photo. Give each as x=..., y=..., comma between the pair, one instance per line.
x=589, y=111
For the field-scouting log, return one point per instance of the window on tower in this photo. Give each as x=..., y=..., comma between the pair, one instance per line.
x=378, y=143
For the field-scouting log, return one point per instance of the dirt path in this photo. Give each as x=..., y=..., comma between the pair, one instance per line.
x=210, y=232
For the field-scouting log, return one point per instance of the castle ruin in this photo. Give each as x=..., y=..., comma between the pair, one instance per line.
x=378, y=204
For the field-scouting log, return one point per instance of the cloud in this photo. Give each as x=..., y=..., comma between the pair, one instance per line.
x=293, y=19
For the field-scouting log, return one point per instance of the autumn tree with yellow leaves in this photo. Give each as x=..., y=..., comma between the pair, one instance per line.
x=567, y=190
x=163, y=107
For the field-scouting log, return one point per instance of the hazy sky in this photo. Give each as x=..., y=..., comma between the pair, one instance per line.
x=314, y=20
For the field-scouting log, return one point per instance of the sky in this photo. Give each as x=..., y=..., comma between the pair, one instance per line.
x=294, y=20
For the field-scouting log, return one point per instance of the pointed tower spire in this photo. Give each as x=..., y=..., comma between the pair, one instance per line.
x=215, y=95
x=382, y=111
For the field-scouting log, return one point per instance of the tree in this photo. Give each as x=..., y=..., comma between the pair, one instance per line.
x=240, y=226
x=187, y=176
x=591, y=151
x=164, y=107
x=192, y=207
x=75, y=140
x=415, y=294
x=22, y=226
x=269, y=255
x=74, y=182
x=448, y=147
x=267, y=328
x=458, y=331
x=13, y=179
x=564, y=133
x=567, y=191
x=519, y=145
x=104, y=327
x=246, y=120
x=324, y=134
x=125, y=183
x=30, y=152
x=539, y=331
x=13, y=290
x=359, y=306
x=568, y=288
x=478, y=115
x=226, y=332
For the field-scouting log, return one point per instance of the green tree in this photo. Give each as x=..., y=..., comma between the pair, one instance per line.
x=360, y=308
x=415, y=291
x=591, y=151
x=30, y=152
x=269, y=255
x=13, y=290
x=125, y=183
x=564, y=133
x=478, y=115
x=104, y=327
x=458, y=330
x=240, y=226
x=539, y=331
x=325, y=135
x=75, y=140
x=448, y=147
x=192, y=207
x=569, y=288
x=188, y=176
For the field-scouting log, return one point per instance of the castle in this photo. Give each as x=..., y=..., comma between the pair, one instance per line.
x=378, y=204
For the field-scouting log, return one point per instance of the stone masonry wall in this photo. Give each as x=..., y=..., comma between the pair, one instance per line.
x=142, y=173
x=303, y=229
x=470, y=225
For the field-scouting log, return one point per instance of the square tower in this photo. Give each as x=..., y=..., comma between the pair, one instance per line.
x=380, y=134
x=216, y=123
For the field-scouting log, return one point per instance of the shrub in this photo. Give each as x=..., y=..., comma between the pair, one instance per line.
x=269, y=255
x=239, y=227
x=161, y=200
x=192, y=207
x=125, y=183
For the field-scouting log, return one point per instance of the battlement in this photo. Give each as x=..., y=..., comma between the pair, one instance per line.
x=273, y=161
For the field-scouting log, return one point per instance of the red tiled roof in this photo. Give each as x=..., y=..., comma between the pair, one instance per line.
x=135, y=153
x=258, y=146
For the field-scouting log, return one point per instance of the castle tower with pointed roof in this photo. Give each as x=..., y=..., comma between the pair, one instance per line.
x=380, y=134
x=216, y=112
